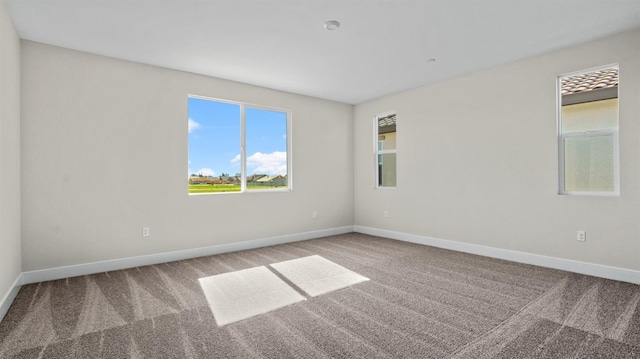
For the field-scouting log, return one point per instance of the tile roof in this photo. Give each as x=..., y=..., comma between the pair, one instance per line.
x=387, y=121
x=590, y=81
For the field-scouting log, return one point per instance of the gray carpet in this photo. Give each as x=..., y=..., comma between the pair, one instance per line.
x=420, y=302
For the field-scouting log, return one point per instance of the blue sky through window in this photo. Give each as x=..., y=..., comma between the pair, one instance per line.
x=214, y=139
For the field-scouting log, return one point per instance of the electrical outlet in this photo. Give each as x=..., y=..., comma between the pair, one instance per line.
x=145, y=231
x=385, y=214
x=582, y=236
x=314, y=215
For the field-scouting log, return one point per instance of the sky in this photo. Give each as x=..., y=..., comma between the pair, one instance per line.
x=214, y=139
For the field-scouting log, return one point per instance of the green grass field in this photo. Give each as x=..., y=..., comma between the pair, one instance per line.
x=213, y=188
x=220, y=188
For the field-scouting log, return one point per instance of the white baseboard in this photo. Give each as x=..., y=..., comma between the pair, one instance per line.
x=5, y=303
x=131, y=262
x=596, y=270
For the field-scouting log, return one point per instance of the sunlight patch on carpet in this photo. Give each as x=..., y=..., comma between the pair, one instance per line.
x=246, y=293
x=316, y=275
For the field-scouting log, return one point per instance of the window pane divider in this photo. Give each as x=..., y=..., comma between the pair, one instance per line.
x=384, y=152
x=589, y=133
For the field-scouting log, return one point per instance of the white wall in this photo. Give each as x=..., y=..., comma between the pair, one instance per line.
x=477, y=161
x=10, y=257
x=104, y=153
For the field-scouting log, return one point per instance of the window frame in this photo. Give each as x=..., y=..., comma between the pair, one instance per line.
x=561, y=136
x=378, y=152
x=243, y=158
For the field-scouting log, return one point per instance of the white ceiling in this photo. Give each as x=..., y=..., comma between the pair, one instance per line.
x=382, y=47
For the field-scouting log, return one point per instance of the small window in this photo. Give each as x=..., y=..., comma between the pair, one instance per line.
x=385, y=150
x=235, y=147
x=588, y=132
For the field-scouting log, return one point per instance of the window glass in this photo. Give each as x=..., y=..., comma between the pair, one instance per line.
x=214, y=142
x=589, y=163
x=387, y=170
x=588, y=132
x=266, y=134
x=590, y=116
x=386, y=150
x=218, y=132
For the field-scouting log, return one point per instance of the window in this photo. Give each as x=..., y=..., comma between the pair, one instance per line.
x=588, y=132
x=236, y=147
x=385, y=150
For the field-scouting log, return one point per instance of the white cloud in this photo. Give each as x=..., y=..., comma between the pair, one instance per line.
x=206, y=172
x=268, y=163
x=265, y=163
x=193, y=125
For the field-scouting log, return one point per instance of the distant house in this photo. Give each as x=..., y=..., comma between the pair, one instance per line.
x=255, y=177
x=267, y=180
x=264, y=179
x=279, y=180
x=203, y=180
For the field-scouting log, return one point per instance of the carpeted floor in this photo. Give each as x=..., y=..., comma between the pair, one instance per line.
x=420, y=302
